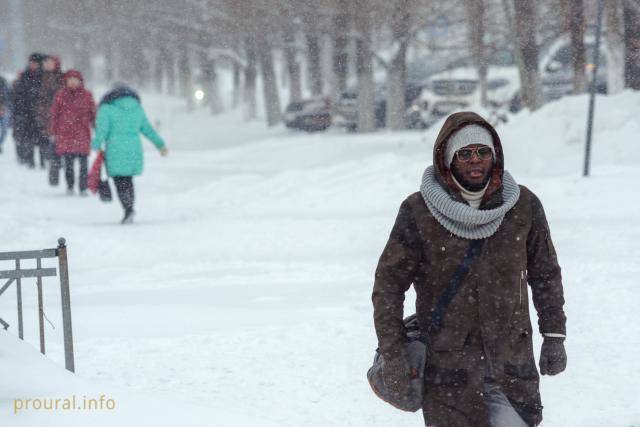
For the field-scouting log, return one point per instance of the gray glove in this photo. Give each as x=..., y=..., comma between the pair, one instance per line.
x=553, y=357
x=397, y=375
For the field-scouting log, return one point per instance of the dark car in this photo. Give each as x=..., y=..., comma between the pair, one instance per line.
x=347, y=105
x=557, y=74
x=346, y=109
x=310, y=115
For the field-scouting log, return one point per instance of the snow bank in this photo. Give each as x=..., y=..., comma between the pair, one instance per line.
x=35, y=391
x=244, y=287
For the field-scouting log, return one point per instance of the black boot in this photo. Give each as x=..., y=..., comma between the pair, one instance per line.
x=128, y=216
x=54, y=176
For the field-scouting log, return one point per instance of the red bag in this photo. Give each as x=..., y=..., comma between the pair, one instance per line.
x=93, y=179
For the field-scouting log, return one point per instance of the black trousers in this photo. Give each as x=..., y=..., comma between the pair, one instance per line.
x=69, y=160
x=124, y=187
x=25, y=146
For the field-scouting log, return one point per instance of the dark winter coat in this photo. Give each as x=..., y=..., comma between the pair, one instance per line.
x=486, y=329
x=73, y=114
x=25, y=98
x=52, y=81
x=5, y=99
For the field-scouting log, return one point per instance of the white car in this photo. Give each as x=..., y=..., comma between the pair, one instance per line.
x=459, y=89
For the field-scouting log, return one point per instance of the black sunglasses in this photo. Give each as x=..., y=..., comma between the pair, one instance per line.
x=483, y=153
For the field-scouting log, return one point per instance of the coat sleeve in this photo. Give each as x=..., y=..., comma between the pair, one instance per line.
x=4, y=93
x=151, y=134
x=53, y=119
x=395, y=273
x=544, y=275
x=91, y=105
x=102, y=129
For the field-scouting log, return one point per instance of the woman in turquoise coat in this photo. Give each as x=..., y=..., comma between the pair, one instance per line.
x=120, y=122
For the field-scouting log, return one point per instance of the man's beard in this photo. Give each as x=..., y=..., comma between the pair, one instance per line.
x=470, y=186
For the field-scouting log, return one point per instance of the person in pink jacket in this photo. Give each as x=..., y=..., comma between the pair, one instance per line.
x=73, y=114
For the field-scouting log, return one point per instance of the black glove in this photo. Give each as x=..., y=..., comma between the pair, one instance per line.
x=397, y=375
x=553, y=357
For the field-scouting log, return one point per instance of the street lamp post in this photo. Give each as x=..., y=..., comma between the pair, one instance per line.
x=592, y=96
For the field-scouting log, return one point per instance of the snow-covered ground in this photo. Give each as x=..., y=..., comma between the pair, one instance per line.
x=241, y=296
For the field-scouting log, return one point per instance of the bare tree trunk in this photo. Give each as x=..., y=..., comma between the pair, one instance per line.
x=631, y=16
x=525, y=29
x=574, y=13
x=110, y=62
x=293, y=66
x=396, y=104
x=313, y=63
x=250, y=74
x=237, y=84
x=82, y=56
x=364, y=66
x=170, y=70
x=340, y=55
x=269, y=83
x=215, y=102
x=186, y=79
x=475, y=19
x=209, y=77
x=126, y=61
x=615, y=47
x=158, y=70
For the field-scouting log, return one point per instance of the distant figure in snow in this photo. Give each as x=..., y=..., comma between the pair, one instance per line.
x=5, y=110
x=121, y=120
x=73, y=114
x=52, y=81
x=25, y=99
x=469, y=242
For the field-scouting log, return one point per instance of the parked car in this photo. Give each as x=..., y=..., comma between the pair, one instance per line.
x=557, y=68
x=459, y=89
x=347, y=106
x=310, y=115
x=346, y=109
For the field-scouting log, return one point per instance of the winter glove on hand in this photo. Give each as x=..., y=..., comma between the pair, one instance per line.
x=397, y=375
x=553, y=357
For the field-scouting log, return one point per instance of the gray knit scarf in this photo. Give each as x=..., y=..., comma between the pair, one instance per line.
x=461, y=219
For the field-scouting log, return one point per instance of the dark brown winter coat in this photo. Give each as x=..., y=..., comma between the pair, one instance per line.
x=486, y=329
x=52, y=81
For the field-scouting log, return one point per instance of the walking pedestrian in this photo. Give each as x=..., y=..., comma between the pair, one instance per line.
x=73, y=114
x=473, y=226
x=25, y=98
x=52, y=81
x=5, y=110
x=121, y=119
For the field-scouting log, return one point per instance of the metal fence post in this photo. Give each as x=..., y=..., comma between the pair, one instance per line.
x=19, y=293
x=66, y=305
x=40, y=306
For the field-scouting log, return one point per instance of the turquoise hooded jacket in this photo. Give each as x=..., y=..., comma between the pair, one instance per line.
x=118, y=127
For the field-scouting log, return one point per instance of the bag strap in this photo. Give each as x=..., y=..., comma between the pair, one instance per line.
x=103, y=167
x=475, y=247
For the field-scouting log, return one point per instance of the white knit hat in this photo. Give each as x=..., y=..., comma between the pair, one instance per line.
x=470, y=134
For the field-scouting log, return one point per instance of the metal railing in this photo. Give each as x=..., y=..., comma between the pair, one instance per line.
x=18, y=273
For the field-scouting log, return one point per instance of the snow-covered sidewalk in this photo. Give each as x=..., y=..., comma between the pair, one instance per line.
x=243, y=290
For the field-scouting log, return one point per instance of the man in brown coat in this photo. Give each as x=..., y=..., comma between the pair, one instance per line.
x=481, y=370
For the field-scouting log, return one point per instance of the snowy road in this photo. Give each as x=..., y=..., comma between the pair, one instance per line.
x=245, y=283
